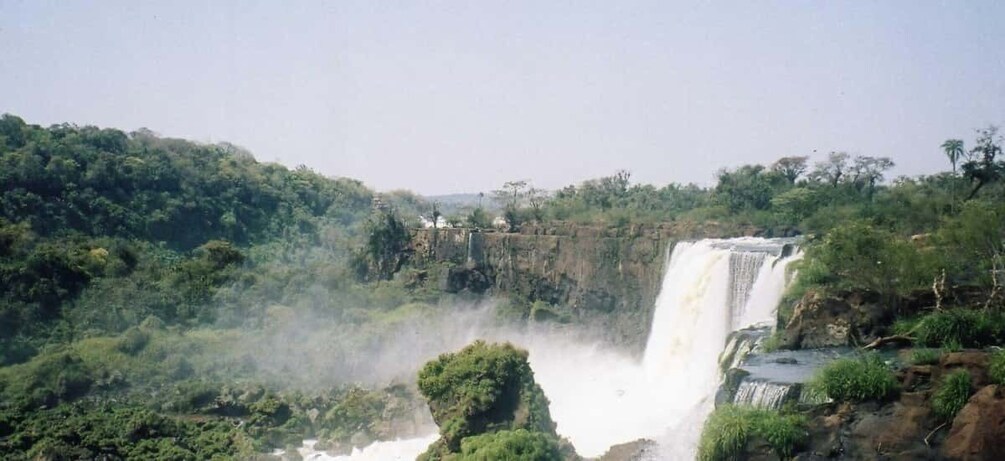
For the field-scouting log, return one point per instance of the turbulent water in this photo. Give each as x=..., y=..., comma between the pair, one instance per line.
x=601, y=398
x=393, y=450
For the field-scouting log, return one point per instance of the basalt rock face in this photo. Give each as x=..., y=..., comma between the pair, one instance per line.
x=608, y=277
x=848, y=319
x=906, y=428
x=978, y=432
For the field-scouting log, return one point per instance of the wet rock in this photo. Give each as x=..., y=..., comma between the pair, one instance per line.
x=975, y=362
x=730, y=383
x=638, y=450
x=978, y=432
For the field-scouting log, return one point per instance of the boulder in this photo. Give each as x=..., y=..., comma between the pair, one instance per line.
x=847, y=319
x=975, y=362
x=978, y=432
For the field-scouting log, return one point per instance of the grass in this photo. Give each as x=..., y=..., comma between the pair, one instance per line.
x=996, y=370
x=728, y=429
x=959, y=328
x=952, y=395
x=856, y=379
x=925, y=356
x=773, y=342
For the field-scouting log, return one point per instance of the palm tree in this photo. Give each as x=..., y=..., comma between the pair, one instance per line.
x=954, y=150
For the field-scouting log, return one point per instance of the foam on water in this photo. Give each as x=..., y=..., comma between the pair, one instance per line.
x=601, y=398
x=710, y=288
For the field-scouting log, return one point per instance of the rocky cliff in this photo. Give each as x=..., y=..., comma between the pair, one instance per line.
x=608, y=277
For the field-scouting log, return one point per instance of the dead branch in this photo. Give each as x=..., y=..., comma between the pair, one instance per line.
x=930, y=434
x=880, y=342
x=939, y=288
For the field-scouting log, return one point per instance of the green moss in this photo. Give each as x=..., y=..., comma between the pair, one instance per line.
x=951, y=395
x=482, y=388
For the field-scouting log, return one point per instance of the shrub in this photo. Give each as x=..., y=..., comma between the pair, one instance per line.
x=966, y=327
x=858, y=255
x=783, y=432
x=133, y=341
x=925, y=356
x=857, y=379
x=996, y=370
x=483, y=388
x=729, y=427
x=518, y=445
x=952, y=395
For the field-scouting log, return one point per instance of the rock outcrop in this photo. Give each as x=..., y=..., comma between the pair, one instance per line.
x=907, y=428
x=487, y=391
x=608, y=277
x=847, y=319
x=978, y=432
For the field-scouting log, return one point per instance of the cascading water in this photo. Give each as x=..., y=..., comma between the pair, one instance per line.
x=710, y=288
x=765, y=394
x=601, y=398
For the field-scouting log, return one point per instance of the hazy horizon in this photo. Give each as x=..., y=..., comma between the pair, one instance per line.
x=443, y=97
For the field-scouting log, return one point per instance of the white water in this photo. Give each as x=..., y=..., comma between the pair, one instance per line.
x=710, y=288
x=392, y=450
x=601, y=398
x=763, y=394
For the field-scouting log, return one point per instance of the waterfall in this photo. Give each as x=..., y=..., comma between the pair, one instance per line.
x=600, y=397
x=764, y=394
x=710, y=288
x=393, y=450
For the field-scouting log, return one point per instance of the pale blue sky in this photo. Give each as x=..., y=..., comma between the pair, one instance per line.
x=453, y=96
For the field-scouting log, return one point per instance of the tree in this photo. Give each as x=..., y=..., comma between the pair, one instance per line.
x=790, y=168
x=511, y=194
x=436, y=213
x=867, y=171
x=954, y=151
x=536, y=198
x=984, y=167
x=796, y=204
x=831, y=171
x=479, y=219
x=387, y=244
x=746, y=188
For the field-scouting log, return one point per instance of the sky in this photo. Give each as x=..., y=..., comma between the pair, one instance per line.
x=461, y=96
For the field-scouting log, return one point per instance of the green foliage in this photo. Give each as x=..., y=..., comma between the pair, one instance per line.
x=856, y=379
x=386, y=248
x=972, y=244
x=105, y=182
x=750, y=187
x=952, y=395
x=117, y=431
x=984, y=165
x=728, y=429
x=925, y=356
x=996, y=369
x=859, y=256
x=961, y=327
x=517, y=445
x=483, y=388
x=479, y=219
